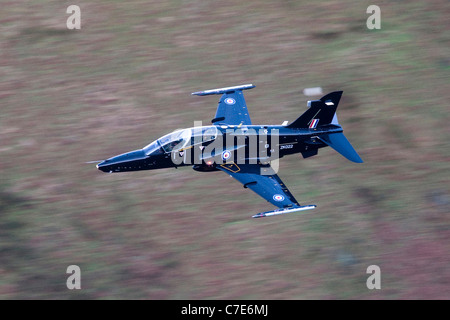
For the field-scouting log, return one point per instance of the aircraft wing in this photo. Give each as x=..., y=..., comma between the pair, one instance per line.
x=263, y=181
x=266, y=183
x=232, y=109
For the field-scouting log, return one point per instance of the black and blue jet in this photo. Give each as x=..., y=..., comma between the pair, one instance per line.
x=246, y=152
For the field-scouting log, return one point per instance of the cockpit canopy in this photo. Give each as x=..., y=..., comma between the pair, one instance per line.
x=181, y=139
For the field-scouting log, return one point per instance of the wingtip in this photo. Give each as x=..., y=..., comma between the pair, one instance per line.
x=357, y=159
x=284, y=211
x=223, y=90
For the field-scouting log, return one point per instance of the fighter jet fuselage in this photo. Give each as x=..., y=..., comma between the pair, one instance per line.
x=255, y=144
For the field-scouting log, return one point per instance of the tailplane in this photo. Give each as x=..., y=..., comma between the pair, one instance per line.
x=340, y=143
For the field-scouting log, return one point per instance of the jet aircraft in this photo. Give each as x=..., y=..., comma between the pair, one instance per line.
x=247, y=152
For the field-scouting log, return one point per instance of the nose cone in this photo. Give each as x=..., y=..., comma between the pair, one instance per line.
x=129, y=161
x=103, y=166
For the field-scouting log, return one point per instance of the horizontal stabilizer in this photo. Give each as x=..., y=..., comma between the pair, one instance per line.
x=340, y=143
x=283, y=211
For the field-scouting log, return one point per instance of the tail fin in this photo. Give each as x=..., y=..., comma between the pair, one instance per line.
x=321, y=112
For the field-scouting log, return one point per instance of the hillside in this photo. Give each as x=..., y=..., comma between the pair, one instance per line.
x=125, y=78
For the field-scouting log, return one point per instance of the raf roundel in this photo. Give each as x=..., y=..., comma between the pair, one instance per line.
x=230, y=101
x=278, y=197
x=226, y=155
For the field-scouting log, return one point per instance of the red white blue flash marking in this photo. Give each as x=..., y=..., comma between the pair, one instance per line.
x=314, y=123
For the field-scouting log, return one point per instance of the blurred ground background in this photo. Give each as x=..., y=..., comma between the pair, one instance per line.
x=125, y=78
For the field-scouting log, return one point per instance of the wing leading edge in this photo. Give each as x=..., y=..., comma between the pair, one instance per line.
x=232, y=109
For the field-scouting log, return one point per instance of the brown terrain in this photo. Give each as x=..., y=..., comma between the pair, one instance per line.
x=125, y=78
